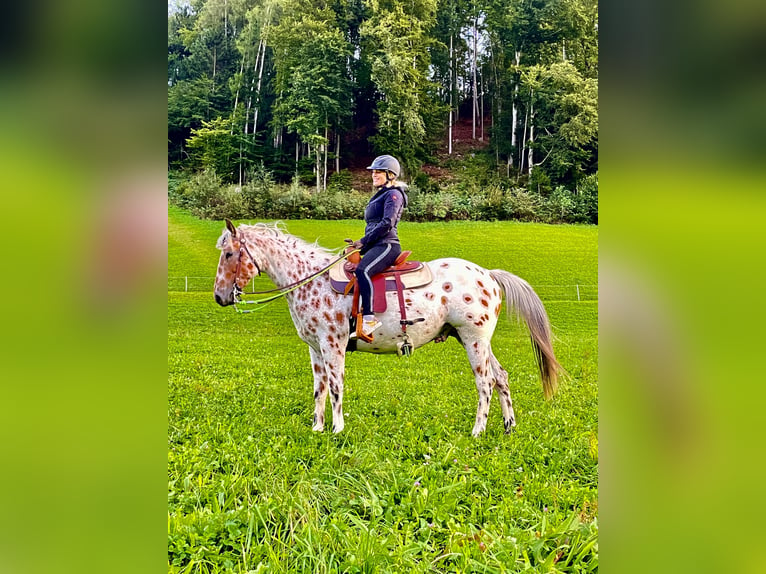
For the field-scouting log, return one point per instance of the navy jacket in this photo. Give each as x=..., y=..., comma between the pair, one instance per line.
x=382, y=215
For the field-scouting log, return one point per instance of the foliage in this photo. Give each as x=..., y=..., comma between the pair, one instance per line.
x=213, y=146
x=262, y=197
x=289, y=82
x=404, y=488
x=398, y=35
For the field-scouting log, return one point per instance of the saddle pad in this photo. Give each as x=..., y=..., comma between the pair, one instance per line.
x=419, y=276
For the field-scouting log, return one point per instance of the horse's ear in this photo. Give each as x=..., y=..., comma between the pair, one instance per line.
x=231, y=228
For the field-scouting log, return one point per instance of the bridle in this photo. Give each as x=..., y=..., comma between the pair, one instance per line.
x=280, y=291
x=242, y=250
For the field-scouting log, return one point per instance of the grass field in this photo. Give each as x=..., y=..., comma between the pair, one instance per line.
x=404, y=488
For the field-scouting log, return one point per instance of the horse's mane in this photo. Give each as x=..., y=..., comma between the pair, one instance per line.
x=278, y=231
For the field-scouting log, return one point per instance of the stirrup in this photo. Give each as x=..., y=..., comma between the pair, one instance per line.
x=359, y=334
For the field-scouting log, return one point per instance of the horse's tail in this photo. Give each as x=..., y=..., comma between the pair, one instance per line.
x=523, y=302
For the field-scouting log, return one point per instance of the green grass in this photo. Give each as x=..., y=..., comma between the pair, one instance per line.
x=404, y=488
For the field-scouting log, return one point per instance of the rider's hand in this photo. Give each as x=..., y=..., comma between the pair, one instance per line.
x=349, y=267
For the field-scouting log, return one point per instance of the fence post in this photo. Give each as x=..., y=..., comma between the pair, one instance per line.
x=186, y=284
x=578, y=292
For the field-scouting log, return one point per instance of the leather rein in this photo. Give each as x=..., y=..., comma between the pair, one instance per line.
x=280, y=291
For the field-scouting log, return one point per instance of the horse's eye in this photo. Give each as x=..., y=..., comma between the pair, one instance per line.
x=229, y=254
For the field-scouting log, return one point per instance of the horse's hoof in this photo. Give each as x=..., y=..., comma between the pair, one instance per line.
x=317, y=428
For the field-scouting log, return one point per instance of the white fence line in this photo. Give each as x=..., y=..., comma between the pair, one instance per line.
x=574, y=292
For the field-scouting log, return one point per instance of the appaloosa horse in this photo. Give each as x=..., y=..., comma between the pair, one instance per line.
x=463, y=301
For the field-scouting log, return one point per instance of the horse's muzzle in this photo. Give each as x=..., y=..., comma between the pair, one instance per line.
x=222, y=302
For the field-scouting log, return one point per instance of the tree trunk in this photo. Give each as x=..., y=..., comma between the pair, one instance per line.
x=515, y=117
x=473, y=113
x=236, y=97
x=326, y=147
x=261, y=57
x=482, y=108
x=530, y=163
x=451, y=92
x=337, y=152
x=523, y=146
x=318, y=170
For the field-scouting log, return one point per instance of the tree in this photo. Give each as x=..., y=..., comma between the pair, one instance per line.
x=310, y=57
x=397, y=38
x=213, y=146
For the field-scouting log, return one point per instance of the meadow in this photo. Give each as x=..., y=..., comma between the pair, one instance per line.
x=404, y=488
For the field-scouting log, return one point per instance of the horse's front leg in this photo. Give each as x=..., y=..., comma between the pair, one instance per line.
x=334, y=356
x=320, y=388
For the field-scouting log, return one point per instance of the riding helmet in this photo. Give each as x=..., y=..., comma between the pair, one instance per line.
x=386, y=162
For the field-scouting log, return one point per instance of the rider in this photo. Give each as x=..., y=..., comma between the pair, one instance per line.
x=380, y=245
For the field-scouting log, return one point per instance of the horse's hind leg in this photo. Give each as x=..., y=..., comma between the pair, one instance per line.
x=479, y=353
x=503, y=393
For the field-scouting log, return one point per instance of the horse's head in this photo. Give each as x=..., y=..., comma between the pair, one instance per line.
x=236, y=266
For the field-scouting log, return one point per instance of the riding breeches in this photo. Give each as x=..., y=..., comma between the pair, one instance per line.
x=374, y=261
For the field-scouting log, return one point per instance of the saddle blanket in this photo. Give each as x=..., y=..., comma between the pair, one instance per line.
x=413, y=274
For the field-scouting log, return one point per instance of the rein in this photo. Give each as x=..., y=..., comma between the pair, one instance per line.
x=280, y=291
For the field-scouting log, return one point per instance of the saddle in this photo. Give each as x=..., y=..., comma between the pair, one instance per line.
x=407, y=274
x=401, y=275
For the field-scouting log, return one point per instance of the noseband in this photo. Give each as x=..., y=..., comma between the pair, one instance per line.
x=242, y=250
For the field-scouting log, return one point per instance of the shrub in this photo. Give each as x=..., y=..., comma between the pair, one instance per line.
x=228, y=202
x=340, y=182
x=199, y=191
x=586, y=200
x=258, y=193
x=339, y=205
x=559, y=207
x=522, y=205
x=293, y=201
x=539, y=182
x=424, y=183
x=262, y=198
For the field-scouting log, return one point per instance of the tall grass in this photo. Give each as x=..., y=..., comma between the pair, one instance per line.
x=404, y=488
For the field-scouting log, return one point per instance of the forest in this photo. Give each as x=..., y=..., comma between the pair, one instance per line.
x=470, y=95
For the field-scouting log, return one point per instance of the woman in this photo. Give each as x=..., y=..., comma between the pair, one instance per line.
x=380, y=245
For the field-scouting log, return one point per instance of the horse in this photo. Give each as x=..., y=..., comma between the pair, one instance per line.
x=463, y=300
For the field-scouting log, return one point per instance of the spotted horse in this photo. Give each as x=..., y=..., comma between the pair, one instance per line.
x=463, y=300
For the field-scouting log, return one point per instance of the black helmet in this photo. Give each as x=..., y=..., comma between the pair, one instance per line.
x=386, y=162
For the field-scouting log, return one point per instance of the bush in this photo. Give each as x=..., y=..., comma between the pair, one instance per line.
x=559, y=207
x=586, y=200
x=228, y=202
x=522, y=205
x=199, y=191
x=539, y=182
x=339, y=204
x=424, y=183
x=293, y=201
x=340, y=182
x=258, y=193
x=262, y=198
